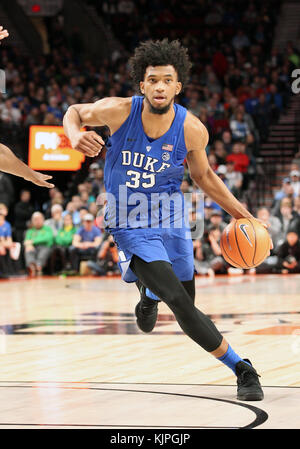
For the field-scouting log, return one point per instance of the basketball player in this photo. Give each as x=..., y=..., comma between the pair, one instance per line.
x=151, y=136
x=9, y=163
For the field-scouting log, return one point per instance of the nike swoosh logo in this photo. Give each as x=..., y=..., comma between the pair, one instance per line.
x=243, y=229
x=227, y=239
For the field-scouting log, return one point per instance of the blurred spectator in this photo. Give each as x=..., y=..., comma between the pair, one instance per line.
x=46, y=206
x=6, y=189
x=33, y=118
x=287, y=217
x=275, y=101
x=289, y=253
x=248, y=119
x=238, y=191
x=9, y=114
x=233, y=178
x=73, y=207
x=60, y=257
x=251, y=102
x=239, y=157
x=293, y=56
x=56, y=221
x=273, y=223
x=295, y=181
x=212, y=261
x=22, y=214
x=212, y=161
x=54, y=109
x=286, y=191
x=297, y=206
x=227, y=140
x=240, y=129
x=222, y=173
x=107, y=258
x=57, y=198
x=240, y=40
x=262, y=115
x=296, y=160
x=220, y=152
x=216, y=219
x=86, y=242
x=97, y=182
x=9, y=250
x=38, y=242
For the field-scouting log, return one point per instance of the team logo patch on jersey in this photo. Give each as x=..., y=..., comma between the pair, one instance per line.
x=167, y=147
x=148, y=148
x=165, y=156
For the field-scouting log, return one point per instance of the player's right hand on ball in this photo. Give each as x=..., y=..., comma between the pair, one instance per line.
x=88, y=142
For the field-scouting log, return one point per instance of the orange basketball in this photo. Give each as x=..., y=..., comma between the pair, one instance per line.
x=245, y=243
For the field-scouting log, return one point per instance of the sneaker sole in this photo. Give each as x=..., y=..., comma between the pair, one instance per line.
x=251, y=397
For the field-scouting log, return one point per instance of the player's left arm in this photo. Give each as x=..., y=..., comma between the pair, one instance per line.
x=196, y=139
x=9, y=163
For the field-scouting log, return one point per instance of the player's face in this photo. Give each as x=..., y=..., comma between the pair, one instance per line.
x=160, y=87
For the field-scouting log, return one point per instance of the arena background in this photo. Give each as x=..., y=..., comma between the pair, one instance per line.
x=72, y=354
x=244, y=65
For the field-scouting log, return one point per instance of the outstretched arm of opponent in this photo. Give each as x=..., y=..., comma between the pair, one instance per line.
x=9, y=163
x=111, y=112
x=3, y=33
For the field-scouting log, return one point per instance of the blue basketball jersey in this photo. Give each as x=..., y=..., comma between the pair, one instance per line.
x=143, y=176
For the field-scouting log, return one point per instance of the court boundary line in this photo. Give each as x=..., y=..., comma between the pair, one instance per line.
x=261, y=416
x=126, y=383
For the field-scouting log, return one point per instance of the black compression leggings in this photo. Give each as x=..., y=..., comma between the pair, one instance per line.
x=160, y=278
x=190, y=288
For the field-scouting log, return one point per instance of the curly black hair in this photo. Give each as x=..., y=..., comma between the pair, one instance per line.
x=159, y=53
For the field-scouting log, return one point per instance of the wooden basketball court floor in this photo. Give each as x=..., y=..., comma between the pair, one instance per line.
x=72, y=356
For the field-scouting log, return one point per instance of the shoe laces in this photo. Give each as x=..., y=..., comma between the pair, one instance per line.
x=148, y=307
x=247, y=375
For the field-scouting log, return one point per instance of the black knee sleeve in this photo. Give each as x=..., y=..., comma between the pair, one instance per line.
x=160, y=278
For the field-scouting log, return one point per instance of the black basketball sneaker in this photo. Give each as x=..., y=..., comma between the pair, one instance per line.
x=145, y=310
x=248, y=385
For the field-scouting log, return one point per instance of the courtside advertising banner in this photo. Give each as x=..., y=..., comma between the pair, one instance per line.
x=50, y=149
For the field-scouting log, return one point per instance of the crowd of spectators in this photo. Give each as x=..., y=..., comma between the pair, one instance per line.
x=282, y=219
x=239, y=85
x=59, y=236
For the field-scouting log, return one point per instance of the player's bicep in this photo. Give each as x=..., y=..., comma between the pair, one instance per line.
x=90, y=114
x=111, y=112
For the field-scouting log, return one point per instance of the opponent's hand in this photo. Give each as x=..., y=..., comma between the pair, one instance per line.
x=3, y=33
x=88, y=142
x=39, y=179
